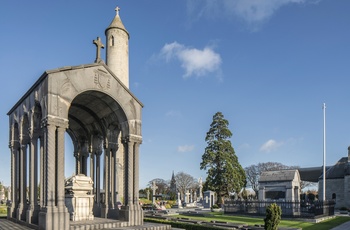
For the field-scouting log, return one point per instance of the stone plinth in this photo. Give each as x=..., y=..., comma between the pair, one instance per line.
x=79, y=199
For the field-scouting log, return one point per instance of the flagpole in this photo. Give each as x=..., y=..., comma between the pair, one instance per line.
x=324, y=151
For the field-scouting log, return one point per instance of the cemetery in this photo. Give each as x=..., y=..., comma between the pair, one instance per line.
x=94, y=105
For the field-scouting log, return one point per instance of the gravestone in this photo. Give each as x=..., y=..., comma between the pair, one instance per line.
x=187, y=197
x=179, y=204
x=209, y=199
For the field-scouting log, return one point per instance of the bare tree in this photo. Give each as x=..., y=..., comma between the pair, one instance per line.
x=163, y=185
x=253, y=174
x=184, y=182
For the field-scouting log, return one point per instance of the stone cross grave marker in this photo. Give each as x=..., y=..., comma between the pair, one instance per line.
x=154, y=187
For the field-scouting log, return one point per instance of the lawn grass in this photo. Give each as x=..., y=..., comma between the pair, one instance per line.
x=326, y=225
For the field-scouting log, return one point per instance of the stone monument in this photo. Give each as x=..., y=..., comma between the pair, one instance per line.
x=79, y=198
x=93, y=104
x=154, y=187
x=200, y=183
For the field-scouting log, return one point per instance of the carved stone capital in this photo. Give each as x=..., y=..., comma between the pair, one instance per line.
x=132, y=138
x=59, y=122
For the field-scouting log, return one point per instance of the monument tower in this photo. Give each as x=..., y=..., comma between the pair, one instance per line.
x=93, y=104
x=117, y=51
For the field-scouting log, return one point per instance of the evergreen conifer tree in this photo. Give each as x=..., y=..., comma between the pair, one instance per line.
x=225, y=174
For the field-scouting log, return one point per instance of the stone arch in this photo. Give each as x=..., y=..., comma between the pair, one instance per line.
x=25, y=132
x=37, y=118
x=93, y=112
x=100, y=131
x=103, y=119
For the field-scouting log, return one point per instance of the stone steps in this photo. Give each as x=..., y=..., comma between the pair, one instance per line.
x=101, y=223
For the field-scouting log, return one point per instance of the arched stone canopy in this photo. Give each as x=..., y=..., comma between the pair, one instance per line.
x=101, y=116
x=93, y=112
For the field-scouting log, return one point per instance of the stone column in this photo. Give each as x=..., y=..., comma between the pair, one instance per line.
x=77, y=157
x=98, y=178
x=106, y=184
x=138, y=216
x=42, y=173
x=33, y=183
x=13, y=197
x=92, y=167
x=116, y=176
x=136, y=172
x=84, y=151
x=130, y=171
x=131, y=212
x=21, y=212
x=36, y=149
x=113, y=176
x=60, y=167
x=50, y=147
x=54, y=215
x=126, y=211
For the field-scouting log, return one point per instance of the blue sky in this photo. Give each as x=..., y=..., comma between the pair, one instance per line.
x=268, y=66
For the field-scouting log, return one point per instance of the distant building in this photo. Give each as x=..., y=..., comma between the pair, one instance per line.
x=337, y=182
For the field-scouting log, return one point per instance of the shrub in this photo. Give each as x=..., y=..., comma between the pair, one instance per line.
x=273, y=217
x=3, y=210
x=215, y=206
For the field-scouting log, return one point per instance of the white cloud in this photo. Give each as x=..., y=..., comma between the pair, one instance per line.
x=254, y=12
x=270, y=145
x=194, y=61
x=185, y=148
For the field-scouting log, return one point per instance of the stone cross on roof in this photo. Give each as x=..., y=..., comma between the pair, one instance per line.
x=117, y=9
x=99, y=45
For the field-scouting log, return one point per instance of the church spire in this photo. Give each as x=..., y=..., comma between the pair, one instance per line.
x=173, y=183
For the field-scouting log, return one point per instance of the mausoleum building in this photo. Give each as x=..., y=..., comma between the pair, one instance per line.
x=279, y=185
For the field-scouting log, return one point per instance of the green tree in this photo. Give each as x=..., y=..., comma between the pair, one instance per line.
x=225, y=174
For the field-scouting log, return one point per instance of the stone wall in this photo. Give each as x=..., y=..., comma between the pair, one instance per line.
x=333, y=186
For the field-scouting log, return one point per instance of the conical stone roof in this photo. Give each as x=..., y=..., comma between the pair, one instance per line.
x=117, y=22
